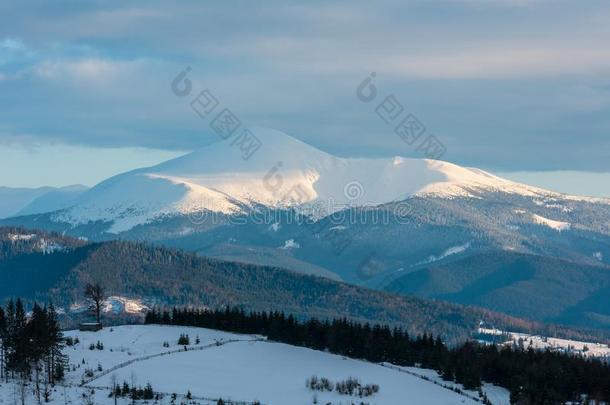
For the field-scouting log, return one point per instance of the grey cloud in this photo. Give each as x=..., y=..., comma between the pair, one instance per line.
x=503, y=85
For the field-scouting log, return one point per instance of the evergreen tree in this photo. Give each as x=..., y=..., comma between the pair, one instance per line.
x=31, y=348
x=57, y=361
x=3, y=331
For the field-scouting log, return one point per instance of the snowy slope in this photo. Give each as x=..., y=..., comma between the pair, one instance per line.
x=283, y=172
x=275, y=373
x=576, y=347
x=230, y=366
x=239, y=367
x=557, y=225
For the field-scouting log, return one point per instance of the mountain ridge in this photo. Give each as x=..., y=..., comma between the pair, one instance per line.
x=19, y=201
x=284, y=172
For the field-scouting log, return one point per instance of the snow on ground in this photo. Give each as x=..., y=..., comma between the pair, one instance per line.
x=117, y=305
x=557, y=225
x=114, y=304
x=20, y=236
x=275, y=373
x=42, y=244
x=231, y=366
x=125, y=343
x=588, y=349
x=449, y=252
x=290, y=244
x=497, y=395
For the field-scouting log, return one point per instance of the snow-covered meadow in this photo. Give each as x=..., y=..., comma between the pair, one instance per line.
x=230, y=366
x=586, y=349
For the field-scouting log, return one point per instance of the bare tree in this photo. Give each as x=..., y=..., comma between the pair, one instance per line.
x=95, y=294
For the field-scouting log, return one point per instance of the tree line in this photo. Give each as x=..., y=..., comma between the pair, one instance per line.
x=31, y=348
x=531, y=376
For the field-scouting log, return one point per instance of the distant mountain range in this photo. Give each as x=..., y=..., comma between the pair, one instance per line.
x=410, y=226
x=27, y=201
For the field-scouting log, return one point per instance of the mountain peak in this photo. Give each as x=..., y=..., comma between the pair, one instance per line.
x=228, y=157
x=282, y=172
x=275, y=137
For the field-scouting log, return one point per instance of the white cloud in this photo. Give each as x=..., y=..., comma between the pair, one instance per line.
x=89, y=70
x=502, y=60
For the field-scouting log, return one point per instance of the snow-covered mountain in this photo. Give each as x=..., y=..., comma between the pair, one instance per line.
x=284, y=172
x=413, y=226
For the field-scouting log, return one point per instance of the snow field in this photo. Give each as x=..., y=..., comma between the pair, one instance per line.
x=241, y=368
x=246, y=369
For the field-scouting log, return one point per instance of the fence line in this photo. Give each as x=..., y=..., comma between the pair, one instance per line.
x=194, y=397
x=423, y=377
x=167, y=353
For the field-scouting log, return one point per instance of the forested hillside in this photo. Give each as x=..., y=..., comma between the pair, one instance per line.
x=536, y=287
x=173, y=277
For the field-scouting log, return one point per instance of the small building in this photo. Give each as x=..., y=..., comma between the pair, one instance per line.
x=90, y=327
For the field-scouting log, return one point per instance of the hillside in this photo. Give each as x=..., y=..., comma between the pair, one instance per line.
x=268, y=372
x=531, y=286
x=161, y=276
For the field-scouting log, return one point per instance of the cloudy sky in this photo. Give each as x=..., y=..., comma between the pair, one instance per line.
x=517, y=87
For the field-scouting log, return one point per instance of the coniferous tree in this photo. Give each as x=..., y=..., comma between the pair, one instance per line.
x=38, y=343
x=57, y=361
x=3, y=331
x=31, y=348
